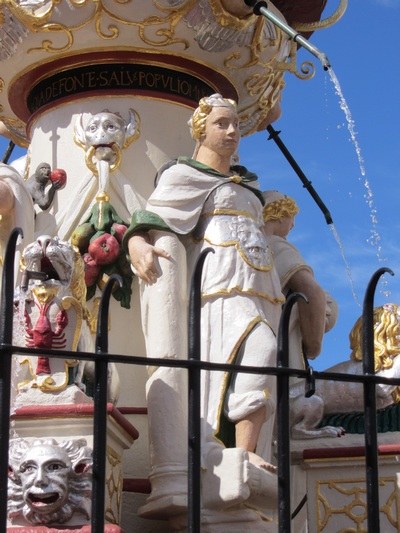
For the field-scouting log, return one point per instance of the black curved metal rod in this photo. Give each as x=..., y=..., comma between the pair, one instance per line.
x=371, y=439
x=194, y=393
x=274, y=135
x=100, y=409
x=8, y=152
x=6, y=332
x=283, y=436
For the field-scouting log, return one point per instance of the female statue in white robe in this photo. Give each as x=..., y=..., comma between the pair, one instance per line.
x=206, y=202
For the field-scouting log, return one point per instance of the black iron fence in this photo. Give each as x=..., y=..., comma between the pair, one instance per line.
x=194, y=366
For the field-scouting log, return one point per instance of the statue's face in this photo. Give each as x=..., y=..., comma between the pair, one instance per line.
x=44, y=473
x=104, y=129
x=42, y=172
x=222, y=131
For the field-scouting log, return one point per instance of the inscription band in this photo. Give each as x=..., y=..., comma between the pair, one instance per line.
x=125, y=77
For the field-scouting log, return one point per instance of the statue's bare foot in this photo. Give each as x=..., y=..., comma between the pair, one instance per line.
x=262, y=482
x=261, y=463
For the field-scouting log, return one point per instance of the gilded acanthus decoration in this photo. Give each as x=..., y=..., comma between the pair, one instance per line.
x=307, y=68
x=41, y=16
x=250, y=51
x=15, y=127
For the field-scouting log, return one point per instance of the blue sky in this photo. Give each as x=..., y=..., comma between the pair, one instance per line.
x=360, y=189
x=358, y=181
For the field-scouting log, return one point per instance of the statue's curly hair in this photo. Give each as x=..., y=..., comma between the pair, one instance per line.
x=280, y=208
x=386, y=339
x=197, y=122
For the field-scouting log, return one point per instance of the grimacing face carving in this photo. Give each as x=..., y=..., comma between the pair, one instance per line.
x=49, y=482
x=107, y=129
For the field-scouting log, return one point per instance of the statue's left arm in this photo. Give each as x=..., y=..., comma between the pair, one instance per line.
x=311, y=314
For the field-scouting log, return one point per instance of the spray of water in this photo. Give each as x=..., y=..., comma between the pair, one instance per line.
x=347, y=266
x=374, y=239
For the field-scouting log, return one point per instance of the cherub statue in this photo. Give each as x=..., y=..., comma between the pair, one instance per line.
x=347, y=397
x=49, y=482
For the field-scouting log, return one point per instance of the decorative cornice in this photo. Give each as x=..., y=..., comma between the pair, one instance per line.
x=159, y=75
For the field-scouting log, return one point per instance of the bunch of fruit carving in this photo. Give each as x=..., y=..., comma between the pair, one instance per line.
x=99, y=240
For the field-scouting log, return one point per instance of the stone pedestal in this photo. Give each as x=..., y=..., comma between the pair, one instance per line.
x=65, y=422
x=331, y=472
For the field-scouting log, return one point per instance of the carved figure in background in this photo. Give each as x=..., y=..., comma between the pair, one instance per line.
x=50, y=313
x=346, y=397
x=16, y=210
x=99, y=235
x=39, y=181
x=49, y=482
x=309, y=321
x=105, y=135
x=209, y=203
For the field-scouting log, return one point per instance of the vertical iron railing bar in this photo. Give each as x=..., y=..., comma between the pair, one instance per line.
x=283, y=437
x=100, y=409
x=6, y=333
x=371, y=439
x=194, y=393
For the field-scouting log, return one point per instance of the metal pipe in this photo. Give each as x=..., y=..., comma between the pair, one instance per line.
x=371, y=440
x=194, y=393
x=261, y=8
x=282, y=416
x=100, y=409
x=8, y=152
x=274, y=135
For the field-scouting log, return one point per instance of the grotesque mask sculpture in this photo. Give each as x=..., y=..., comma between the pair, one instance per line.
x=105, y=135
x=49, y=482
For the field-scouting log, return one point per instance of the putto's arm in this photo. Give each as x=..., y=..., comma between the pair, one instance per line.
x=311, y=314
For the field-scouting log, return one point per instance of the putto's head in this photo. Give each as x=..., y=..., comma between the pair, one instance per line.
x=278, y=206
x=197, y=122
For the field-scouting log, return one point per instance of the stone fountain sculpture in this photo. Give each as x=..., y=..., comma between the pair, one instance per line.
x=50, y=312
x=63, y=64
x=333, y=397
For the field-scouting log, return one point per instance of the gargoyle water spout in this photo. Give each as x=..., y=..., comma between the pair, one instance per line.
x=261, y=8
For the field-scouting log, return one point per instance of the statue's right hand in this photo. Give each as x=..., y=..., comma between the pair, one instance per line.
x=144, y=258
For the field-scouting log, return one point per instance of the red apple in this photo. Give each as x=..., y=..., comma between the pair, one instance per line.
x=118, y=231
x=92, y=269
x=104, y=249
x=58, y=177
